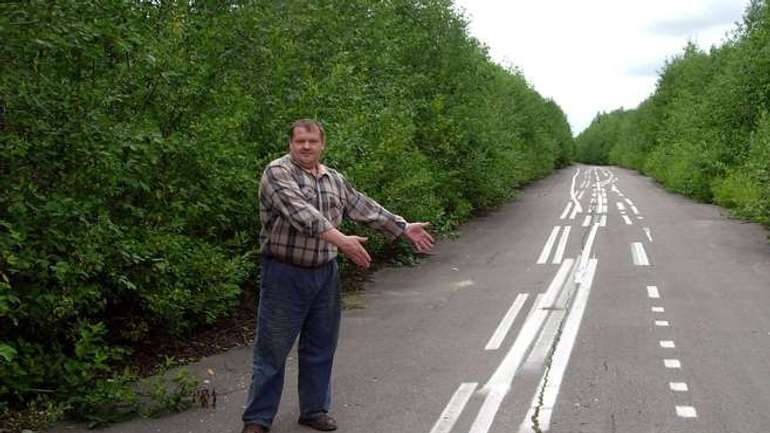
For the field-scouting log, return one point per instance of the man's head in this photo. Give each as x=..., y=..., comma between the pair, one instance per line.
x=306, y=142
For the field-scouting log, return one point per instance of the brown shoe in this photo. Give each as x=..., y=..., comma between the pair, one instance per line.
x=254, y=428
x=322, y=422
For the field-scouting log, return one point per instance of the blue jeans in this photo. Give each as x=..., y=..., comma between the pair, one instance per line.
x=294, y=301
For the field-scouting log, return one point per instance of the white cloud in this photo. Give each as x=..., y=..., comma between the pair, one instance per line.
x=596, y=55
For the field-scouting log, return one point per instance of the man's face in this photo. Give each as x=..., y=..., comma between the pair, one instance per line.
x=306, y=146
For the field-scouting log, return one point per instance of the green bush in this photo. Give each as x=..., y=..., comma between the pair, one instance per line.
x=133, y=137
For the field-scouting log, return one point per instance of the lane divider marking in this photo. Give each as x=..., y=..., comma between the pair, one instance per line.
x=566, y=210
x=667, y=344
x=559, y=254
x=652, y=292
x=505, y=324
x=672, y=363
x=678, y=386
x=639, y=255
x=686, y=412
x=548, y=246
x=454, y=408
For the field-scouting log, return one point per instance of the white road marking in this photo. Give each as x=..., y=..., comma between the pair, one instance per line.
x=648, y=233
x=627, y=220
x=587, y=221
x=620, y=206
x=635, y=210
x=639, y=255
x=548, y=245
x=667, y=344
x=566, y=210
x=560, y=358
x=500, y=383
x=630, y=203
x=559, y=254
x=572, y=193
x=686, y=412
x=678, y=386
x=662, y=323
x=672, y=363
x=652, y=292
x=640, y=217
x=574, y=212
x=603, y=222
x=505, y=324
x=658, y=310
x=454, y=408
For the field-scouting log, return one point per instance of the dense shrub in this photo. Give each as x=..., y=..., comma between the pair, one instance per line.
x=133, y=134
x=704, y=131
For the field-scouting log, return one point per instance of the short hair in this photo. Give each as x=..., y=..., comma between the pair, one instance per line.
x=308, y=125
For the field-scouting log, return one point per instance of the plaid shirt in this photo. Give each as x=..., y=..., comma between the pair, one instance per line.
x=296, y=207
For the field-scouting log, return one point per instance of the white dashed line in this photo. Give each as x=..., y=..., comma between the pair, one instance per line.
x=454, y=408
x=652, y=292
x=678, y=386
x=566, y=211
x=658, y=310
x=667, y=344
x=505, y=324
x=648, y=233
x=639, y=255
x=662, y=323
x=587, y=221
x=559, y=254
x=672, y=363
x=548, y=246
x=620, y=206
x=603, y=223
x=686, y=412
x=627, y=220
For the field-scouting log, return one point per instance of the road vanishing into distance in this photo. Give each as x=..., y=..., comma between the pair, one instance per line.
x=595, y=302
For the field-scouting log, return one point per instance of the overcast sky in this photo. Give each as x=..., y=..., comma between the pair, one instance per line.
x=596, y=55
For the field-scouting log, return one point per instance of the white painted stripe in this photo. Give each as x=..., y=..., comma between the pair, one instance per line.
x=658, y=310
x=500, y=383
x=635, y=210
x=678, y=386
x=686, y=412
x=603, y=223
x=639, y=255
x=587, y=221
x=640, y=217
x=652, y=292
x=648, y=233
x=627, y=220
x=574, y=213
x=548, y=245
x=545, y=401
x=586, y=254
x=566, y=210
x=573, y=194
x=630, y=203
x=505, y=324
x=559, y=254
x=454, y=408
x=620, y=206
x=667, y=344
x=662, y=323
x=672, y=363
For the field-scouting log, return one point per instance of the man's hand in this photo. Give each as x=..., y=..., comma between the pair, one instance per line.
x=351, y=246
x=420, y=238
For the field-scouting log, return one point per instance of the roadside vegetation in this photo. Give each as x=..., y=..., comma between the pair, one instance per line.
x=132, y=135
x=705, y=131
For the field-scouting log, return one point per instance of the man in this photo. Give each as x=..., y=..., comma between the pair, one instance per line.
x=302, y=203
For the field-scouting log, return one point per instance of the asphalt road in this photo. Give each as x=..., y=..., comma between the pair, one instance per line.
x=595, y=302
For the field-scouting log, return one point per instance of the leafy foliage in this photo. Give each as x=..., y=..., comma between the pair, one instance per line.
x=133, y=134
x=704, y=132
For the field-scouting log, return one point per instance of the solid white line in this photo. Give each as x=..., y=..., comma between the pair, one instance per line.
x=661, y=323
x=686, y=412
x=548, y=245
x=454, y=408
x=648, y=233
x=658, y=310
x=603, y=222
x=500, y=383
x=667, y=344
x=652, y=292
x=587, y=221
x=627, y=220
x=639, y=255
x=672, y=363
x=566, y=210
x=678, y=386
x=559, y=254
x=505, y=324
x=560, y=358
